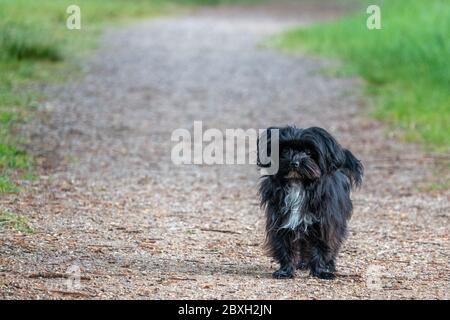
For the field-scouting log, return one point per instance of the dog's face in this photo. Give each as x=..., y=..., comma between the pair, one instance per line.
x=298, y=162
x=309, y=154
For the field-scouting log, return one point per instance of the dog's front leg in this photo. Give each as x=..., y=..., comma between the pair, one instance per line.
x=305, y=255
x=321, y=265
x=282, y=248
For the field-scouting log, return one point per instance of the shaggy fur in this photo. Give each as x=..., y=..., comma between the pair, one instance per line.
x=307, y=202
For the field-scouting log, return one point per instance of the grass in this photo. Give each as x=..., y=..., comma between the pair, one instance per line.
x=36, y=47
x=15, y=221
x=6, y=185
x=405, y=64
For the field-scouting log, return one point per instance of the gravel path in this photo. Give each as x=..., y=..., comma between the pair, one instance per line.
x=111, y=205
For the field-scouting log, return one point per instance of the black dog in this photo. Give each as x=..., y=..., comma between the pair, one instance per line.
x=307, y=202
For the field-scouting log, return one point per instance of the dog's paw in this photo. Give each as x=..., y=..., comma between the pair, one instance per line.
x=325, y=275
x=303, y=265
x=331, y=266
x=283, y=274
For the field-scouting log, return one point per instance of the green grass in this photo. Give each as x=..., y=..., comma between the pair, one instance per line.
x=36, y=47
x=406, y=63
x=6, y=185
x=15, y=221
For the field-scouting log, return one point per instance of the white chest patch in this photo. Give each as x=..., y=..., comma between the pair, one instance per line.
x=293, y=213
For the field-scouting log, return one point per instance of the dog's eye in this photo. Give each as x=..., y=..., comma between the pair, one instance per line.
x=308, y=152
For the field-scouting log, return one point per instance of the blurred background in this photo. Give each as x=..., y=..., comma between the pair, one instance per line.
x=405, y=64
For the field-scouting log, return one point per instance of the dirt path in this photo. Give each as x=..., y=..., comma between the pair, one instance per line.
x=114, y=207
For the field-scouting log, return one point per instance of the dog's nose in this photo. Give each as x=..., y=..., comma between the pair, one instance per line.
x=295, y=164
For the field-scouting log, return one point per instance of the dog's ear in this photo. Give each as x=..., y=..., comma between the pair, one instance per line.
x=263, y=147
x=334, y=156
x=331, y=155
x=353, y=168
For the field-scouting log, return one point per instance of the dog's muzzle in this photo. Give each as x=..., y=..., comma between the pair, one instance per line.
x=293, y=175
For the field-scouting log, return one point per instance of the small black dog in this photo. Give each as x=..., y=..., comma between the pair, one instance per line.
x=307, y=202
